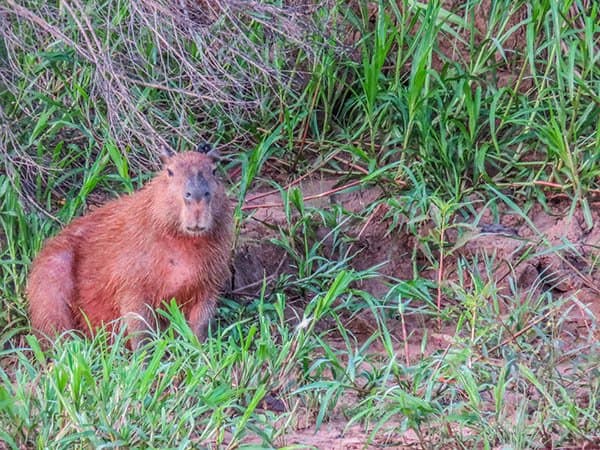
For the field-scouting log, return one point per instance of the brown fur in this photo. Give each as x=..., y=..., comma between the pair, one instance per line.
x=135, y=252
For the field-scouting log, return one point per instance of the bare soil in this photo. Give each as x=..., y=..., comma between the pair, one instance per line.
x=549, y=250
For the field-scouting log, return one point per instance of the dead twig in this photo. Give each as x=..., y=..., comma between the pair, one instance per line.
x=547, y=184
x=309, y=197
x=522, y=331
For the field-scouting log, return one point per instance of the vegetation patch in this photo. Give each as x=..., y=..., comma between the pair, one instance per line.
x=416, y=190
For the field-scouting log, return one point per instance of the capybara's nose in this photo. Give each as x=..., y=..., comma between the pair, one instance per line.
x=197, y=194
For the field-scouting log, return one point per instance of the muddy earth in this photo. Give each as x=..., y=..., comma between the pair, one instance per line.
x=545, y=250
x=548, y=249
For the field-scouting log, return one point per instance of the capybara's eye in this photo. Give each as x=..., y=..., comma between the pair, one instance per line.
x=169, y=172
x=214, y=171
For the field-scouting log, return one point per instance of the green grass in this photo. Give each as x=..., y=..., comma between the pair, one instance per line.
x=455, y=118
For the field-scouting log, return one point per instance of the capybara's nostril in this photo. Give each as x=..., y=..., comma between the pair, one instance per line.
x=196, y=194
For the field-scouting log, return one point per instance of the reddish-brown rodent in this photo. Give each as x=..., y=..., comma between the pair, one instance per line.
x=171, y=239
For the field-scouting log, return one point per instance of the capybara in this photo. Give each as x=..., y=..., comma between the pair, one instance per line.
x=170, y=239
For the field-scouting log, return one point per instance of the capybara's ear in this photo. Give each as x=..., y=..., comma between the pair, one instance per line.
x=166, y=153
x=204, y=148
x=209, y=151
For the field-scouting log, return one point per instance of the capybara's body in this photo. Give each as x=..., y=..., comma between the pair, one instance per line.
x=171, y=239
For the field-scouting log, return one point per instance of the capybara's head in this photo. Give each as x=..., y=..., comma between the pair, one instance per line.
x=194, y=188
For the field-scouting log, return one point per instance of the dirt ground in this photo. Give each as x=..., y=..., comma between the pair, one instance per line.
x=549, y=249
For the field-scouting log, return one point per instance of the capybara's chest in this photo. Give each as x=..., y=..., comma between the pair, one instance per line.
x=180, y=271
x=154, y=270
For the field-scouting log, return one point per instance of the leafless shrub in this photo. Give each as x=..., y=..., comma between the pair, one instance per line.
x=159, y=71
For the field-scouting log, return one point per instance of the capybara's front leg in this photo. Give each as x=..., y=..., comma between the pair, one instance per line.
x=200, y=315
x=137, y=316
